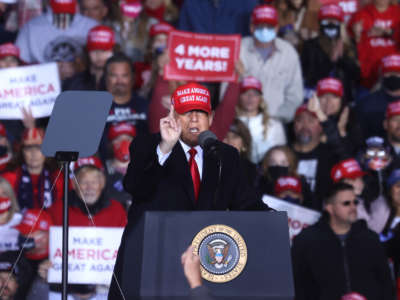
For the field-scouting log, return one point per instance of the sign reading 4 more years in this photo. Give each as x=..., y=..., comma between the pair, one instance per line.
x=35, y=87
x=91, y=255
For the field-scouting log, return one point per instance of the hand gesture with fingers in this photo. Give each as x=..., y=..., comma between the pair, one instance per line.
x=314, y=106
x=170, y=130
x=27, y=118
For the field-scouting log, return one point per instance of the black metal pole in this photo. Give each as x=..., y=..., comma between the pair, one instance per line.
x=65, y=233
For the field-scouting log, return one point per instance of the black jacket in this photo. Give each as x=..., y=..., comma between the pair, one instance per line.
x=325, y=268
x=170, y=188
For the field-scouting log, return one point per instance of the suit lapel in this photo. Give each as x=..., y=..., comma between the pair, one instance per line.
x=178, y=162
x=208, y=182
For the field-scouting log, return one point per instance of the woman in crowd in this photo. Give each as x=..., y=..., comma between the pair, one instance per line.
x=251, y=109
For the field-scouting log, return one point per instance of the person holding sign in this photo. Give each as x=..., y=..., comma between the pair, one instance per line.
x=273, y=61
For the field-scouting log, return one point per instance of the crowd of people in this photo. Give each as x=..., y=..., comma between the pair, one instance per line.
x=314, y=115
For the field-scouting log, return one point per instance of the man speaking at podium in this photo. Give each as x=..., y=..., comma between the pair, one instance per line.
x=170, y=171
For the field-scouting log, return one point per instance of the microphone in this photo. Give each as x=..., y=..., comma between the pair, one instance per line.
x=208, y=141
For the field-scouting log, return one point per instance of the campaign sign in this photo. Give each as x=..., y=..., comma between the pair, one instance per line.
x=35, y=87
x=299, y=217
x=91, y=255
x=202, y=57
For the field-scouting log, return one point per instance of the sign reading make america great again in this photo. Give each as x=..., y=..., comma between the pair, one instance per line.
x=35, y=87
x=202, y=57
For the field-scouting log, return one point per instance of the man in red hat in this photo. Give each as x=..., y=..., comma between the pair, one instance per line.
x=371, y=108
x=62, y=33
x=9, y=56
x=171, y=171
x=392, y=126
x=100, y=47
x=273, y=61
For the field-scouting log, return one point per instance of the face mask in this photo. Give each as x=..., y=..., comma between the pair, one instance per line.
x=277, y=171
x=391, y=83
x=3, y=150
x=291, y=199
x=330, y=30
x=377, y=164
x=265, y=34
x=121, y=150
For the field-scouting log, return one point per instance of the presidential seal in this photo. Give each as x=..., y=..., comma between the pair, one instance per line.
x=222, y=252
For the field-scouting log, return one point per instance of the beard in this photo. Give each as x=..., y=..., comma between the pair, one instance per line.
x=304, y=137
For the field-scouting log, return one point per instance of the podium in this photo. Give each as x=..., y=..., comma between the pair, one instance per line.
x=151, y=266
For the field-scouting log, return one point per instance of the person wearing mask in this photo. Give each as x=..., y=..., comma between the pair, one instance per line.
x=328, y=55
x=252, y=110
x=120, y=135
x=273, y=61
x=32, y=176
x=329, y=257
x=371, y=108
x=375, y=30
x=9, y=217
x=100, y=45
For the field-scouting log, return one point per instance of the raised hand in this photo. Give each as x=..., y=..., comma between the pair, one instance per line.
x=170, y=130
x=314, y=106
x=342, y=123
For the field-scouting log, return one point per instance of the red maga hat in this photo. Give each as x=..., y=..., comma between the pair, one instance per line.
x=9, y=49
x=160, y=28
x=63, y=6
x=348, y=168
x=5, y=204
x=131, y=9
x=88, y=161
x=191, y=96
x=33, y=220
x=264, y=14
x=393, y=109
x=250, y=82
x=287, y=183
x=390, y=63
x=331, y=11
x=303, y=108
x=100, y=38
x=121, y=128
x=330, y=85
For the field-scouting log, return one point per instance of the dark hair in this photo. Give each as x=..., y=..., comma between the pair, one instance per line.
x=240, y=129
x=335, y=189
x=118, y=57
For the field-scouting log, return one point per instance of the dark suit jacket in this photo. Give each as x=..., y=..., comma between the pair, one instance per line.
x=170, y=188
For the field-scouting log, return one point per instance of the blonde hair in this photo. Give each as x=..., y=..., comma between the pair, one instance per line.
x=8, y=190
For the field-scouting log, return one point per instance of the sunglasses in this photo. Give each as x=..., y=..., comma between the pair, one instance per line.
x=348, y=202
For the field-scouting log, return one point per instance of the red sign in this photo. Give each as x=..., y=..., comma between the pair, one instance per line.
x=202, y=57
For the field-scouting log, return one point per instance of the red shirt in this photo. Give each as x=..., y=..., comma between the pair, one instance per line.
x=112, y=216
x=372, y=49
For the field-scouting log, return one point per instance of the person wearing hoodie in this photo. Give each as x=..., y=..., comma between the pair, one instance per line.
x=330, y=260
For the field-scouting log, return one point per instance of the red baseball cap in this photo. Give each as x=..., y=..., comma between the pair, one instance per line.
x=331, y=11
x=9, y=49
x=287, y=183
x=121, y=128
x=5, y=204
x=191, y=96
x=63, y=6
x=391, y=63
x=33, y=220
x=330, y=85
x=303, y=108
x=249, y=83
x=159, y=28
x=33, y=136
x=393, y=109
x=264, y=14
x=348, y=168
x=131, y=9
x=88, y=161
x=100, y=38
x=3, y=131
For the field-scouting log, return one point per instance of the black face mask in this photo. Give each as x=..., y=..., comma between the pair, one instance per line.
x=277, y=171
x=3, y=150
x=291, y=200
x=391, y=83
x=332, y=31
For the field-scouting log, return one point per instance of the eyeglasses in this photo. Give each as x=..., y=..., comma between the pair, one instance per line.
x=348, y=202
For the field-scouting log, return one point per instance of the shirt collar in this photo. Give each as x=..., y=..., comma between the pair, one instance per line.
x=186, y=148
x=275, y=46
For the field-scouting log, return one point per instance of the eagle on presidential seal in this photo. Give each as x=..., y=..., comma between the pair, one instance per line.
x=218, y=250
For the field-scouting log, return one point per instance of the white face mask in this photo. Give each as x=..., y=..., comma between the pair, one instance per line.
x=265, y=34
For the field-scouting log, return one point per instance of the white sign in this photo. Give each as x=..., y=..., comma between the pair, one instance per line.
x=9, y=235
x=91, y=254
x=35, y=87
x=299, y=216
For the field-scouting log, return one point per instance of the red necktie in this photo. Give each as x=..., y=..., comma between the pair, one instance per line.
x=194, y=171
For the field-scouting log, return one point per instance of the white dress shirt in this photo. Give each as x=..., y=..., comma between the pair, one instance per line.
x=198, y=157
